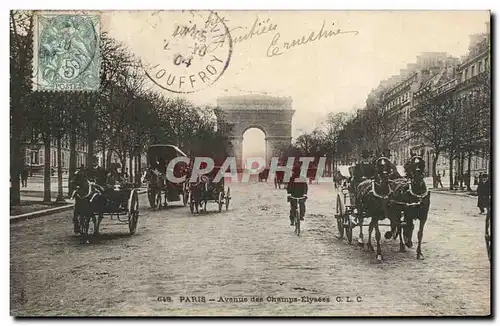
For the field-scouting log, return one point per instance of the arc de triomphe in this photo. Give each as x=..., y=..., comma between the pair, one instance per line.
x=272, y=115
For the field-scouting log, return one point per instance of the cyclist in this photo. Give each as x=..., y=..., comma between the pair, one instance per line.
x=297, y=189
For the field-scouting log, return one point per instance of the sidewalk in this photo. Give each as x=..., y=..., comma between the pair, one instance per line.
x=446, y=189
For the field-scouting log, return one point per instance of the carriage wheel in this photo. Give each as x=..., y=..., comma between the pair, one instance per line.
x=152, y=196
x=133, y=211
x=228, y=197
x=487, y=234
x=339, y=215
x=220, y=201
x=349, y=225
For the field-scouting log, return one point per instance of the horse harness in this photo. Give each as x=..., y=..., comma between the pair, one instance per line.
x=419, y=197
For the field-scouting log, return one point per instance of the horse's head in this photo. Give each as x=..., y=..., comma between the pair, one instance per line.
x=415, y=168
x=383, y=169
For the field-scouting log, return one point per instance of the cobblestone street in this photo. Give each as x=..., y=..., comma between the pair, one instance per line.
x=249, y=251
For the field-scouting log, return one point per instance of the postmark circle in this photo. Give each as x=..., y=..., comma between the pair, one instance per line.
x=195, y=53
x=68, y=45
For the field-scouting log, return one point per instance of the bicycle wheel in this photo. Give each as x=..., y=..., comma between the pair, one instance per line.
x=297, y=221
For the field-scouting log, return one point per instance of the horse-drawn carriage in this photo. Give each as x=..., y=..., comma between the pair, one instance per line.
x=156, y=175
x=386, y=195
x=208, y=187
x=342, y=176
x=94, y=202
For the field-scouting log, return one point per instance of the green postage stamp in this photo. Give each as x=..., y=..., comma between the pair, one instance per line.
x=66, y=54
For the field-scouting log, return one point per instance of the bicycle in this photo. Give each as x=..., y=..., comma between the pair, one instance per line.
x=297, y=213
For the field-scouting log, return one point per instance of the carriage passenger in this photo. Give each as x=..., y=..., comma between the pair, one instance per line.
x=96, y=172
x=296, y=188
x=364, y=169
x=114, y=178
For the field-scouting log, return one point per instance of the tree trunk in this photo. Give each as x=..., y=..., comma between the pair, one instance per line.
x=451, y=171
x=139, y=168
x=461, y=172
x=47, y=172
x=108, y=157
x=60, y=195
x=130, y=176
x=72, y=158
x=104, y=155
x=15, y=163
x=90, y=134
x=434, y=175
x=469, y=161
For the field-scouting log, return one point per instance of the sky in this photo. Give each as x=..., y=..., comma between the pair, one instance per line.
x=327, y=75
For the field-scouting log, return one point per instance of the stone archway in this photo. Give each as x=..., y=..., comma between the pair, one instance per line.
x=272, y=115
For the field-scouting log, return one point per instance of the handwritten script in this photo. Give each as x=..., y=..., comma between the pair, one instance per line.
x=258, y=28
x=276, y=48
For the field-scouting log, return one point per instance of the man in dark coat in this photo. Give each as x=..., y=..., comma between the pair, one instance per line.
x=483, y=193
x=297, y=189
x=364, y=169
x=96, y=173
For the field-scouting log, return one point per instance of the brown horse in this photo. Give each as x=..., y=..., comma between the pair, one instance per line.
x=413, y=199
x=372, y=198
x=88, y=204
x=158, y=181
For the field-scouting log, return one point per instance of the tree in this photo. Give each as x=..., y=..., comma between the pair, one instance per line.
x=21, y=42
x=430, y=116
x=331, y=128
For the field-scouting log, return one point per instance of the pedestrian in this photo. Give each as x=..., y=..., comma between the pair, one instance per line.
x=24, y=177
x=297, y=189
x=476, y=179
x=438, y=180
x=444, y=173
x=467, y=181
x=483, y=193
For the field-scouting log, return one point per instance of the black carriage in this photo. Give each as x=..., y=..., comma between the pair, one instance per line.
x=207, y=189
x=344, y=206
x=120, y=202
x=157, y=176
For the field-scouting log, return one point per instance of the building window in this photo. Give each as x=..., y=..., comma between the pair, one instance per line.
x=480, y=66
x=472, y=74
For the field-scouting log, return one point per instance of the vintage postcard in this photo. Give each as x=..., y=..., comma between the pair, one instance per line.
x=250, y=163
